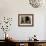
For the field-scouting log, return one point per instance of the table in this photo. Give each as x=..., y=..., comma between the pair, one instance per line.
x=27, y=42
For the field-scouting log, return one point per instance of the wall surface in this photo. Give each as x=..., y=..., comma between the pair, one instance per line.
x=11, y=8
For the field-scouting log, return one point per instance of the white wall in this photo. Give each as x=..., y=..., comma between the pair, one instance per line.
x=11, y=8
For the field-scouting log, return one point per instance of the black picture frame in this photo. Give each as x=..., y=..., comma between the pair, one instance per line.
x=26, y=20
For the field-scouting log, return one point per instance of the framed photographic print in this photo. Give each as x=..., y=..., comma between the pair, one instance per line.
x=25, y=20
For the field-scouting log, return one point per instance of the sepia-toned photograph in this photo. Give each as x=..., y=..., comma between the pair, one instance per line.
x=25, y=20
